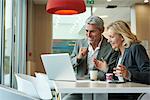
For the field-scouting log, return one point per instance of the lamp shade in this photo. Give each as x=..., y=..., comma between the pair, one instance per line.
x=65, y=7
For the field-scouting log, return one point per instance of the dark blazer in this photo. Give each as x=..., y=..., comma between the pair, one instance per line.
x=137, y=62
x=106, y=52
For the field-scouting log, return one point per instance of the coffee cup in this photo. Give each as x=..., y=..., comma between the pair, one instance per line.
x=93, y=75
x=109, y=77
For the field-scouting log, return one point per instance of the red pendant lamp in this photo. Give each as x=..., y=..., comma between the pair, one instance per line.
x=65, y=7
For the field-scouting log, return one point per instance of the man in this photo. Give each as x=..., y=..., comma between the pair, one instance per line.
x=88, y=53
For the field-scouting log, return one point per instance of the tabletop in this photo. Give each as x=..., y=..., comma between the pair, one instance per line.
x=101, y=87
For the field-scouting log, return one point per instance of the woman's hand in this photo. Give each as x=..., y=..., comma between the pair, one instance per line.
x=100, y=65
x=121, y=70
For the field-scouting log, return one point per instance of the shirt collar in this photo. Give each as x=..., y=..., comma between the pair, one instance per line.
x=98, y=47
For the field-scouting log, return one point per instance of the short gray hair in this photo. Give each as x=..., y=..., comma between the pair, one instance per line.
x=96, y=21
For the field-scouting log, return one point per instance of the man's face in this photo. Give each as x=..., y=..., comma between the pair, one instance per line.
x=93, y=33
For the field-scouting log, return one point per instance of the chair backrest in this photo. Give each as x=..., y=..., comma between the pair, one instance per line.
x=35, y=86
x=144, y=96
x=46, y=84
x=7, y=93
x=42, y=86
x=25, y=84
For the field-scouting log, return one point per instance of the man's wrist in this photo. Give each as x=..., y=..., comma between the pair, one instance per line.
x=105, y=69
x=78, y=59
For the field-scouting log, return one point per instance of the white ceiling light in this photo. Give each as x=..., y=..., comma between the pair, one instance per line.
x=103, y=16
x=146, y=1
x=108, y=0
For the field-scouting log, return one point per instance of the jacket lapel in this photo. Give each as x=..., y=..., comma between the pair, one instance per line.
x=124, y=56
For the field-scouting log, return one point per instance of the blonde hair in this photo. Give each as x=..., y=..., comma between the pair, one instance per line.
x=122, y=28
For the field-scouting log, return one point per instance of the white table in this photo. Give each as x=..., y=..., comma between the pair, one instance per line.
x=89, y=87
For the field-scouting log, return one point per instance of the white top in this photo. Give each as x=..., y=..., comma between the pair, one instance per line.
x=120, y=78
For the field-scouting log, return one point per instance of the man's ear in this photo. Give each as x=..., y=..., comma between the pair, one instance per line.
x=102, y=29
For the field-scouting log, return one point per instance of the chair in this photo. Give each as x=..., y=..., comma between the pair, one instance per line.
x=144, y=96
x=45, y=84
x=35, y=86
x=42, y=86
x=25, y=85
x=7, y=93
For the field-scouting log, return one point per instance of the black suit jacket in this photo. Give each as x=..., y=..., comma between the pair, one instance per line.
x=106, y=52
x=137, y=62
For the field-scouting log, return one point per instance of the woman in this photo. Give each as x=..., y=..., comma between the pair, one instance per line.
x=134, y=62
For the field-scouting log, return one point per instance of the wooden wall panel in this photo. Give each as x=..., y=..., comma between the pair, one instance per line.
x=40, y=40
x=143, y=23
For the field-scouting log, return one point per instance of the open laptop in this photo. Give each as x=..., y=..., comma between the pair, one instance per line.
x=58, y=67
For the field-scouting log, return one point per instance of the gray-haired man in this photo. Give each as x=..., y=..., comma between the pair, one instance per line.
x=89, y=52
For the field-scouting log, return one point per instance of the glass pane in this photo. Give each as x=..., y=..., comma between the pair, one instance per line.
x=13, y=43
x=66, y=29
x=1, y=8
x=8, y=40
x=63, y=45
x=70, y=26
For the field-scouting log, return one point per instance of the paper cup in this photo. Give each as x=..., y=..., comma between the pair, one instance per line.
x=93, y=75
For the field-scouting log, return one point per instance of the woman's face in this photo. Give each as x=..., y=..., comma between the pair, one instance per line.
x=116, y=40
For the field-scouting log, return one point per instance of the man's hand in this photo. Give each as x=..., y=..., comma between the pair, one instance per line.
x=82, y=53
x=100, y=65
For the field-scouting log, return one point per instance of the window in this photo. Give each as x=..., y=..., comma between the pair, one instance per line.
x=12, y=40
x=67, y=29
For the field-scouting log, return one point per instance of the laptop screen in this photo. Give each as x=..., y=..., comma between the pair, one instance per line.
x=58, y=66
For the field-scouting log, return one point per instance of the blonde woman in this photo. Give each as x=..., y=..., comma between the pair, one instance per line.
x=133, y=61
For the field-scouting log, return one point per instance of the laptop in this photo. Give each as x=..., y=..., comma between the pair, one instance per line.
x=58, y=67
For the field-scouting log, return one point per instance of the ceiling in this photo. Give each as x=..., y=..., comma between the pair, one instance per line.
x=121, y=12
x=104, y=3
